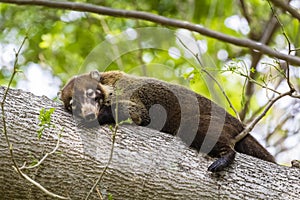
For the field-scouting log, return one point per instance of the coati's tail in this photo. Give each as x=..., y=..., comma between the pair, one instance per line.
x=250, y=146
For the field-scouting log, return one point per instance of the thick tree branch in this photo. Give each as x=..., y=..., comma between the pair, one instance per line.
x=161, y=20
x=146, y=163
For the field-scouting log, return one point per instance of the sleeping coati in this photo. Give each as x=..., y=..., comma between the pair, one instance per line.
x=170, y=108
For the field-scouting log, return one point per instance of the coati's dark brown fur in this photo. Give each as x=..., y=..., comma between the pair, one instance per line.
x=167, y=107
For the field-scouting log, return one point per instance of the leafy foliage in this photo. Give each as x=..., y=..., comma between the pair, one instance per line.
x=45, y=120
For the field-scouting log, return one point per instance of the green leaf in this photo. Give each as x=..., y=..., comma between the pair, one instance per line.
x=110, y=196
x=111, y=128
x=34, y=162
x=45, y=120
x=127, y=121
x=40, y=132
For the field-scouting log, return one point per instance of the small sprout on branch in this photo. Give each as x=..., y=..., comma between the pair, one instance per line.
x=252, y=70
x=110, y=197
x=33, y=162
x=10, y=145
x=127, y=121
x=45, y=120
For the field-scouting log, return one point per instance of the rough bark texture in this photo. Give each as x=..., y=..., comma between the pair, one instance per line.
x=146, y=164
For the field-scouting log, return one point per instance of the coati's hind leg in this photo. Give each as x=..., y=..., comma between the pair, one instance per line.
x=227, y=157
x=223, y=149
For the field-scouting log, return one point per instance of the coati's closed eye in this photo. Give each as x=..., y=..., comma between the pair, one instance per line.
x=96, y=95
x=90, y=93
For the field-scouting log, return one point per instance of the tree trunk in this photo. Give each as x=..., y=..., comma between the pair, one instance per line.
x=146, y=164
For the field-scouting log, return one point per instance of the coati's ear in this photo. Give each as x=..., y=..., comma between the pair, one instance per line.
x=95, y=75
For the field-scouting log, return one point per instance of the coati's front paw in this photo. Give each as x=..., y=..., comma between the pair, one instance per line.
x=222, y=162
x=296, y=163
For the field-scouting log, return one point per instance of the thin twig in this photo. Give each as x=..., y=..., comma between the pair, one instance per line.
x=99, y=193
x=258, y=83
x=107, y=164
x=115, y=47
x=295, y=96
x=265, y=38
x=15, y=71
x=10, y=146
x=245, y=12
x=259, y=117
x=39, y=185
x=284, y=5
x=45, y=156
x=213, y=78
x=261, y=108
x=84, y=7
x=296, y=49
x=289, y=45
x=116, y=127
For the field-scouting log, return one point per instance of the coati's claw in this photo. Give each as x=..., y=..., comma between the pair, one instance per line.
x=222, y=162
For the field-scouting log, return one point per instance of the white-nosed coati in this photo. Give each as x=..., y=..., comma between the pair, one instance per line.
x=170, y=108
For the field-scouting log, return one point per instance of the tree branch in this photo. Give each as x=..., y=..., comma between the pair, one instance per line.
x=5, y=130
x=161, y=20
x=259, y=117
x=202, y=68
x=284, y=5
x=245, y=11
x=265, y=38
x=44, y=157
x=146, y=164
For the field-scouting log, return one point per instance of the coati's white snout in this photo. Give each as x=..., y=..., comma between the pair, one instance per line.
x=89, y=112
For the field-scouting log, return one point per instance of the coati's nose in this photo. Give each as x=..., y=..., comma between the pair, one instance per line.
x=90, y=116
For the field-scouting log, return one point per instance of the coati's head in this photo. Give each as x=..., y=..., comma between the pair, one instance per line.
x=84, y=96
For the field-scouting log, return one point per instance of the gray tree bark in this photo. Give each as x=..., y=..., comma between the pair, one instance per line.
x=146, y=164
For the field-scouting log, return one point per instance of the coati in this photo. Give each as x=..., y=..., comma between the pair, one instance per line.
x=170, y=108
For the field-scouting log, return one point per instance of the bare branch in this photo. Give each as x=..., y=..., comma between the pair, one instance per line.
x=44, y=157
x=245, y=11
x=258, y=118
x=257, y=46
x=265, y=38
x=115, y=48
x=258, y=83
x=10, y=146
x=114, y=133
x=172, y=168
x=2, y=103
x=40, y=186
x=289, y=48
x=284, y=5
